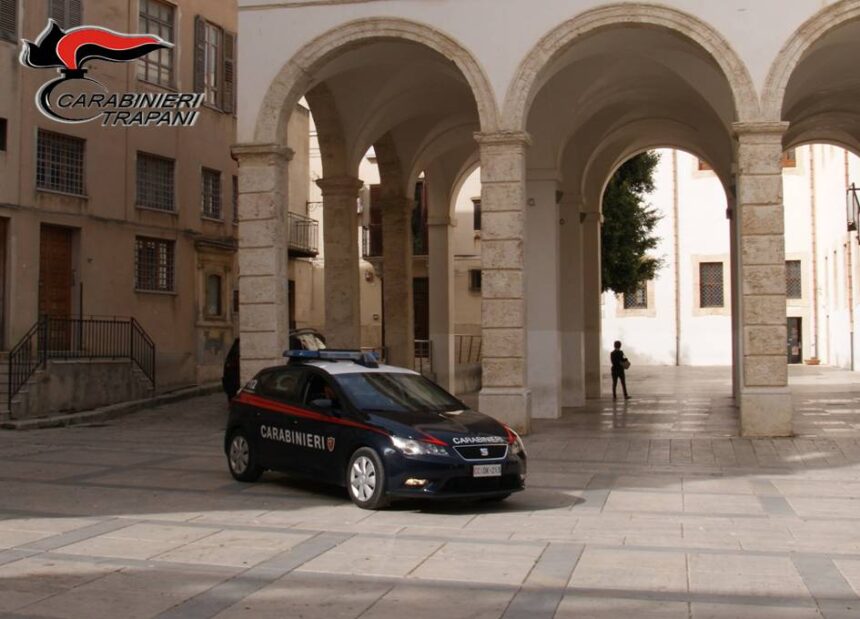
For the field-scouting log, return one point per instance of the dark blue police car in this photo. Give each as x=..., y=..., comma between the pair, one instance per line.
x=381, y=431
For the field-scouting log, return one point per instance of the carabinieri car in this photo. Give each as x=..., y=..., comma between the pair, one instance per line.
x=383, y=432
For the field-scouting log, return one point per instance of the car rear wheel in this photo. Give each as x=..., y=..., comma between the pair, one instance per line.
x=365, y=479
x=242, y=458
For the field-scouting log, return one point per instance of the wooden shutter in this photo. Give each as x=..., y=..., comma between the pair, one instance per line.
x=58, y=12
x=74, y=13
x=9, y=19
x=228, y=92
x=199, y=54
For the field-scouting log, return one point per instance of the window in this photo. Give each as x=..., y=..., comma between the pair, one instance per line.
x=3, y=127
x=155, y=182
x=9, y=20
x=213, y=296
x=67, y=13
x=235, y=300
x=475, y=279
x=154, y=265
x=637, y=299
x=59, y=162
x=281, y=383
x=793, y=282
x=235, y=199
x=157, y=18
x=711, y=284
x=476, y=221
x=210, y=193
x=215, y=64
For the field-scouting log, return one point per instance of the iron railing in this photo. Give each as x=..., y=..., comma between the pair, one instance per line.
x=304, y=234
x=467, y=349
x=55, y=337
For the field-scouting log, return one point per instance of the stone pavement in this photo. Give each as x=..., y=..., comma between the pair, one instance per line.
x=654, y=508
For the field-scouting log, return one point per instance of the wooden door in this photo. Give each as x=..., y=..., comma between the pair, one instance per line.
x=55, y=272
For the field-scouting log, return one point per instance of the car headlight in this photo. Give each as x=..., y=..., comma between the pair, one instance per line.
x=411, y=447
x=516, y=443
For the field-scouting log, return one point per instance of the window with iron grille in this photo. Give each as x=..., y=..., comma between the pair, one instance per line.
x=67, y=13
x=475, y=279
x=793, y=282
x=476, y=221
x=210, y=193
x=3, y=127
x=9, y=20
x=711, y=284
x=637, y=299
x=154, y=264
x=155, y=187
x=235, y=199
x=59, y=162
x=157, y=18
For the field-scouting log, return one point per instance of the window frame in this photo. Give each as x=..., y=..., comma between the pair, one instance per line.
x=207, y=201
x=155, y=59
x=799, y=280
x=220, y=314
x=719, y=267
x=169, y=266
x=45, y=164
x=172, y=182
x=476, y=280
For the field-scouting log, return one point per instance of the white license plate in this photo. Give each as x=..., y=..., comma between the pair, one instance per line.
x=487, y=470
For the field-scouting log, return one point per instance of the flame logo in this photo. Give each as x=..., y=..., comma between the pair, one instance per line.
x=69, y=50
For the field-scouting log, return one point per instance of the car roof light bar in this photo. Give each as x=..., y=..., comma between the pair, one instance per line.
x=367, y=359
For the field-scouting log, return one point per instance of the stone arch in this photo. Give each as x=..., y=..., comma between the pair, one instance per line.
x=329, y=131
x=526, y=84
x=297, y=75
x=791, y=54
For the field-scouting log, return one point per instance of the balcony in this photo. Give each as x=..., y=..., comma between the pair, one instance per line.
x=304, y=236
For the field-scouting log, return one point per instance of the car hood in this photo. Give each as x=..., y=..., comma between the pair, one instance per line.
x=465, y=427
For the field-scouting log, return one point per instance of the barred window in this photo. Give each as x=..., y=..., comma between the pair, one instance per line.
x=154, y=266
x=210, y=193
x=475, y=279
x=711, y=284
x=637, y=299
x=67, y=13
x=793, y=282
x=157, y=18
x=155, y=187
x=9, y=20
x=235, y=199
x=59, y=162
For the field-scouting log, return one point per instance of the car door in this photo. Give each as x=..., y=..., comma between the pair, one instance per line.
x=325, y=426
x=280, y=392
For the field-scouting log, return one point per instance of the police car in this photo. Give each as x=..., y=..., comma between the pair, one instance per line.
x=383, y=432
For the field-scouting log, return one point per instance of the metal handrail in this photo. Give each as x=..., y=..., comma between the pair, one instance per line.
x=303, y=233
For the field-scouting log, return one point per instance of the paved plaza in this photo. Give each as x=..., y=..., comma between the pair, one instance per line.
x=653, y=508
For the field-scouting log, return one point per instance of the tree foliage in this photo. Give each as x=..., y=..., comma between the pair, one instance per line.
x=627, y=235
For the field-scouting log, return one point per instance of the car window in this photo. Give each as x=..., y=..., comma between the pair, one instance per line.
x=318, y=388
x=281, y=384
x=396, y=392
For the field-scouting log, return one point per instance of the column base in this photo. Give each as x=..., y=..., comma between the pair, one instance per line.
x=508, y=405
x=766, y=412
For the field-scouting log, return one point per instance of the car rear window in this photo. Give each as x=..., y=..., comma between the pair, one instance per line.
x=396, y=392
x=280, y=384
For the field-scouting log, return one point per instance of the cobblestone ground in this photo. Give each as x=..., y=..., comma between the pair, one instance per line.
x=652, y=508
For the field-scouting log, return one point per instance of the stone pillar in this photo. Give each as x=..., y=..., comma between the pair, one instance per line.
x=735, y=265
x=765, y=402
x=572, y=308
x=263, y=236
x=591, y=296
x=398, y=313
x=340, y=238
x=505, y=394
x=543, y=303
x=440, y=270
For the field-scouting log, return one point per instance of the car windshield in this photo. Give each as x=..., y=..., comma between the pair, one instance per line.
x=396, y=392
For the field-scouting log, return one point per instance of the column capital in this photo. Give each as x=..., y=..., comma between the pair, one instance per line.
x=519, y=139
x=773, y=129
x=268, y=153
x=339, y=185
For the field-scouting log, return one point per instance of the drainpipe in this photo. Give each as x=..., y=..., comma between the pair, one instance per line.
x=812, y=208
x=676, y=225
x=849, y=274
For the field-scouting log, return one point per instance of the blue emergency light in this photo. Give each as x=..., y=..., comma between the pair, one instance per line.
x=367, y=359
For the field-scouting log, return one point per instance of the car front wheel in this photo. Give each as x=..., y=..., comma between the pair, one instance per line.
x=242, y=458
x=365, y=479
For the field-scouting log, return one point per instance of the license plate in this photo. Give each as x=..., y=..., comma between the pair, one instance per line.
x=487, y=470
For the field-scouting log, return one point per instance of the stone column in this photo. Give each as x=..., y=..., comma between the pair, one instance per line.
x=340, y=238
x=440, y=270
x=765, y=400
x=591, y=292
x=505, y=394
x=263, y=236
x=543, y=304
x=398, y=312
x=572, y=308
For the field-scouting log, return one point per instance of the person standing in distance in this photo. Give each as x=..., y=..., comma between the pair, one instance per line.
x=619, y=365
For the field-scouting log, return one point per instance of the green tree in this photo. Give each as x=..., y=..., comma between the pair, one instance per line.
x=627, y=235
